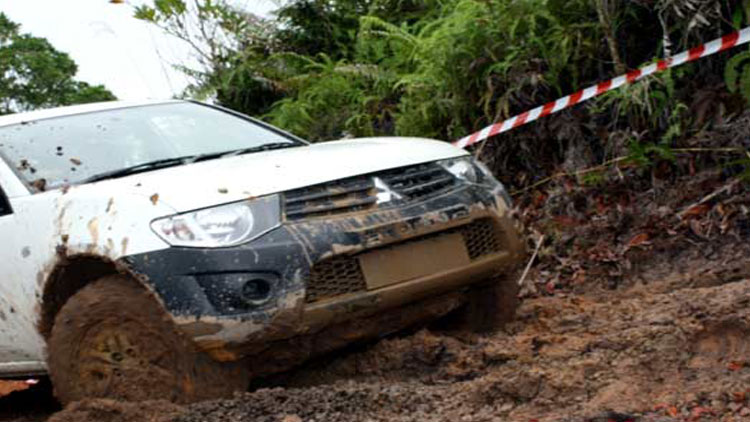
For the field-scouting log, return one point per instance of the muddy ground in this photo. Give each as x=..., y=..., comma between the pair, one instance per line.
x=637, y=309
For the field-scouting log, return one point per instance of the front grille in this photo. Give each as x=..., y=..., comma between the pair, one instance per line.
x=418, y=182
x=359, y=193
x=342, y=274
x=334, y=277
x=341, y=196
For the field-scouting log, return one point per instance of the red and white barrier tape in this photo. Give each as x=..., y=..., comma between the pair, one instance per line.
x=724, y=43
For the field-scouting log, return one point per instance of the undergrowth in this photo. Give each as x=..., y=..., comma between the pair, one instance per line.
x=327, y=69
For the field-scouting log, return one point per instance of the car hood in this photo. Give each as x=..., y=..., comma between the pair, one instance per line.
x=209, y=183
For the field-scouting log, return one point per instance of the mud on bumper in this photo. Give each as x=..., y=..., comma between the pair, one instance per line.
x=315, y=273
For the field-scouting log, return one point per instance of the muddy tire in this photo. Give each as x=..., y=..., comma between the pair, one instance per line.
x=113, y=340
x=491, y=305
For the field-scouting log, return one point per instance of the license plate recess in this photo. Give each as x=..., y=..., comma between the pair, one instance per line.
x=389, y=266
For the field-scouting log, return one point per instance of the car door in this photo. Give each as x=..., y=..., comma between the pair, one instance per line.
x=19, y=347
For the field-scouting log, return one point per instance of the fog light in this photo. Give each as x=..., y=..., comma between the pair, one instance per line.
x=256, y=291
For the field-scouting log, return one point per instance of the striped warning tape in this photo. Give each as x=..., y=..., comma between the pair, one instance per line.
x=713, y=47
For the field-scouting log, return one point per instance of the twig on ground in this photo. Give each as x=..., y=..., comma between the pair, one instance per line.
x=710, y=196
x=531, y=261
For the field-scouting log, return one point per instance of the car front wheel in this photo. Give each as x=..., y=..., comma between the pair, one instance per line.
x=112, y=339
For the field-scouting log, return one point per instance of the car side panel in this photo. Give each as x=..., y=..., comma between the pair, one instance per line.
x=43, y=231
x=20, y=345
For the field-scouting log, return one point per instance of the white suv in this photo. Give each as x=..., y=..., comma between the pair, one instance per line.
x=173, y=249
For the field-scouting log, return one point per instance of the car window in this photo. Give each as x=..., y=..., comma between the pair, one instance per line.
x=50, y=153
x=5, y=208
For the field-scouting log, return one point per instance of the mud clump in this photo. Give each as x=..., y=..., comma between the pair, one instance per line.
x=104, y=410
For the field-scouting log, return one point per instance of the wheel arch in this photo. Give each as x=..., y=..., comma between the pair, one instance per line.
x=69, y=275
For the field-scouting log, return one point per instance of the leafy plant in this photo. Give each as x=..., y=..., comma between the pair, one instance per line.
x=326, y=69
x=737, y=74
x=644, y=154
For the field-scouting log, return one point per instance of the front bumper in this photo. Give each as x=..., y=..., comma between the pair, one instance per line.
x=313, y=268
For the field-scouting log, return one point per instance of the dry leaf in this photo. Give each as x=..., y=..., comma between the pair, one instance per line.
x=699, y=411
x=638, y=240
x=695, y=211
x=734, y=366
x=154, y=198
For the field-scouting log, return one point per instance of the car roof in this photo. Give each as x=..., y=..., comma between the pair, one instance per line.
x=12, y=119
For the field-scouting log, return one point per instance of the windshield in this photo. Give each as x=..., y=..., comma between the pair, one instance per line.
x=50, y=153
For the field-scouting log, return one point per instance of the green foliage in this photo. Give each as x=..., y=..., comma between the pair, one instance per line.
x=737, y=74
x=644, y=154
x=326, y=69
x=593, y=178
x=334, y=99
x=447, y=73
x=33, y=74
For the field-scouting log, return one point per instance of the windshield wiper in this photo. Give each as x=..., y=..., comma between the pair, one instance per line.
x=140, y=168
x=188, y=159
x=260, y=148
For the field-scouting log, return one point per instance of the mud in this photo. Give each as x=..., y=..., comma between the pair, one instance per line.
x=654, y=329
x=666, y=349
x=117, y=411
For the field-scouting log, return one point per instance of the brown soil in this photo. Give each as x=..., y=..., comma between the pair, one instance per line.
x=630, y=354
x=7, y=387
x=636, y=310
x=111, y=410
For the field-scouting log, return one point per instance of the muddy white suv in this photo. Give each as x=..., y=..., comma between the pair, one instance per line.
x=173, y=249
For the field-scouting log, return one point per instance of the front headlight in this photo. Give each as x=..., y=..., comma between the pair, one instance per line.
x=475, y=172
x=222, y=226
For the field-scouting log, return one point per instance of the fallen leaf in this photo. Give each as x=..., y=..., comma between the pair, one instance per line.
x=154, y=198
x=734, y=366
x=739, y=396
x=699, y=411
x=638, y=240
x=672, y=411
x=75, y=161
x=695, y=211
